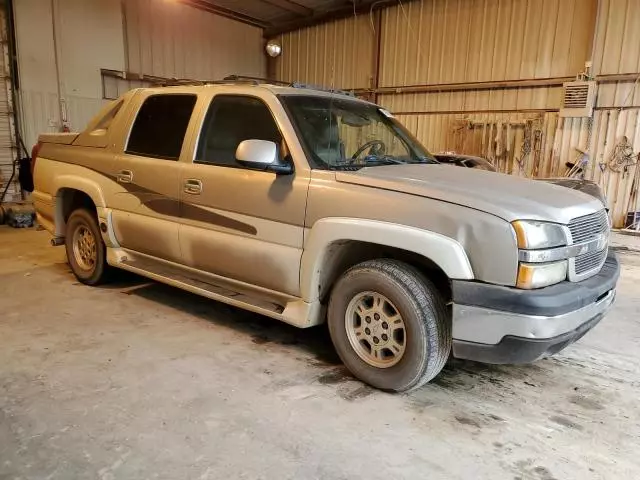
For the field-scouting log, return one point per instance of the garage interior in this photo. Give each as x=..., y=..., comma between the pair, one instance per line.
x=140, y=380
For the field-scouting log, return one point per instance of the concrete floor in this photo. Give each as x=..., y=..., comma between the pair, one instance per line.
x=140, y=380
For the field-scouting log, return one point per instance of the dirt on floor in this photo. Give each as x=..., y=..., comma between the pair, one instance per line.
x=139, y=380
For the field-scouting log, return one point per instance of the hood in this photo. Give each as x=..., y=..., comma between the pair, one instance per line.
x=508, y=197
x=586, y=186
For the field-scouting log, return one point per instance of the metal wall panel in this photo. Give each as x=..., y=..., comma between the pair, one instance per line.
x=497, y=136
x=560, y=140
x=453, y=41
x=474, y=100
x=610, y=127
x=7, y=120
x=338, y=54
x=63, y=44
x=169, y=39
x=617, y=48
x=38, y=94
x=436, y=42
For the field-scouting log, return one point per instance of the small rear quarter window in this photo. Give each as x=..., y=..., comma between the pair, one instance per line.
x=160, y=126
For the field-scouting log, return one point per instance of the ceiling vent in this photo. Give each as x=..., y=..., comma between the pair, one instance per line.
x=578, y=99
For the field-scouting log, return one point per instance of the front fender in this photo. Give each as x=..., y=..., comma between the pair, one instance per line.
x=445, y=252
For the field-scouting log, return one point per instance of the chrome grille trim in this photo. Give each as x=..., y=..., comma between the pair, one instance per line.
x=584, y=229
x=587, y=227
x=590, y=261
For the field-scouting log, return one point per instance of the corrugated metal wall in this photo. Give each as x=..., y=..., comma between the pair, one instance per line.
x=63, y=44
x=340, y=53
x=444, y=42
x=9, y=188
x=451, y=41
x=170, y=39
x=59, y=61
x=617, y=51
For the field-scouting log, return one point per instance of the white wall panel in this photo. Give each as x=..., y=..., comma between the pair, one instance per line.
x=38, y=94
x=169, y=39
x=82, y=37
x=162, y=38
x=90, y=37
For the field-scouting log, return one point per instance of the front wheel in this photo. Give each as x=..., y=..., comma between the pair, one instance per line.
x=85, y=249
x=389, y=325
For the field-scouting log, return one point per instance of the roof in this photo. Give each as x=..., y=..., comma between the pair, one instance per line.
x=238, y=86
x=278, y=16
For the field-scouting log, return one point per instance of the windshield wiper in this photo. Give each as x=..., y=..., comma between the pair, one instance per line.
x=369, y=161
x=373, y=160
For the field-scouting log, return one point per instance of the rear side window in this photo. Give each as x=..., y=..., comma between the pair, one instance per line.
x=160, y=126
x=230, y=120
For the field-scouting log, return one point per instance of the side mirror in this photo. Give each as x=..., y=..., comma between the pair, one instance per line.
x=261, y=155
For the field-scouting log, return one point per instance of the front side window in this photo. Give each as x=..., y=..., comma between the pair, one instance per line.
x=340, y=134
x=230, y=120
x=160, y=126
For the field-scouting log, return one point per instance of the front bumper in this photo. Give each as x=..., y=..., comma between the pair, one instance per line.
x=496, y=324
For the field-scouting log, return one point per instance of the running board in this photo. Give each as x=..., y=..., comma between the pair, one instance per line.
x=172, y=276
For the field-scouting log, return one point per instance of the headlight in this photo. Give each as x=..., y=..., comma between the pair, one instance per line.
x=534, y=235
x=537, y=275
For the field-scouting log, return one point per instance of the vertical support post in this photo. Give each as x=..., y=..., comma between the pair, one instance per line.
x=377, y=47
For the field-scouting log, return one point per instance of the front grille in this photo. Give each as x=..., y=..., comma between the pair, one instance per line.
x=590, y=261
x=583, y=229
x=589, y=226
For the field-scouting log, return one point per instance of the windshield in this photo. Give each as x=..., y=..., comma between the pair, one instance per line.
x=341, y=134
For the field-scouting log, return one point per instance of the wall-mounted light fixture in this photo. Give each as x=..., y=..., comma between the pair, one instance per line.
x=273, y=48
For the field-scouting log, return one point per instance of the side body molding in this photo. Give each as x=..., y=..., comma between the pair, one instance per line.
x=447, y=253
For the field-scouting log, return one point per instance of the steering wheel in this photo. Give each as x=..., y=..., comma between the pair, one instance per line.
x=381, y=148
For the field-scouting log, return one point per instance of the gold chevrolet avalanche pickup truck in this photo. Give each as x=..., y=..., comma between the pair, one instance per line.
x=306, y=205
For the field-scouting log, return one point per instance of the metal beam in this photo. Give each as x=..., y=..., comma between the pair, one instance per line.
x=492, y=85
x=362, y=7
x=290, y=6
x=454, y=87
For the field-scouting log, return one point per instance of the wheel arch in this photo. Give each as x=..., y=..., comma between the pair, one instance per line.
x=336, y=244
x=72, y=193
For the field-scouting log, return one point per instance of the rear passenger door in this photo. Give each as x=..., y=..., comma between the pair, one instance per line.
x=146, y=204
x=242, y=224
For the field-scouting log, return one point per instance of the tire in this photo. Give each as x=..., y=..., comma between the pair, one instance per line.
x=400, y=288
x=89, y=268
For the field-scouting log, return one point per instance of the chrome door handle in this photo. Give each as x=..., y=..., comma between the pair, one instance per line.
x=124, y=176
x=193, y=186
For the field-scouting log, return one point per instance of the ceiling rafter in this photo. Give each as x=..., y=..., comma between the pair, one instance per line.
x=345, y=10
x=289, y=6
x=282, y=16
x=225, y=12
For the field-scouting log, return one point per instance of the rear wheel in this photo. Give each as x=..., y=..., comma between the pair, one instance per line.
x=389, y=325
x=85, y=249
